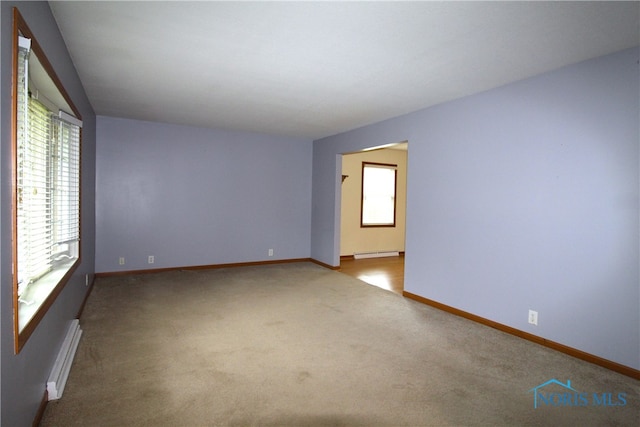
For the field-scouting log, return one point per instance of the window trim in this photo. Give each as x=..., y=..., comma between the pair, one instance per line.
x=20, y=27
x=395, y=192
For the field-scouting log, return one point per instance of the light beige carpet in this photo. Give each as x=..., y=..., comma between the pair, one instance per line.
x=301, y=345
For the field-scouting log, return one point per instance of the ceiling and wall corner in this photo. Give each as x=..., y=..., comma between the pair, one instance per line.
x=315, y=69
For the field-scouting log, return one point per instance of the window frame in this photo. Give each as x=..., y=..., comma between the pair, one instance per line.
x=20, y=28
x=390, y=166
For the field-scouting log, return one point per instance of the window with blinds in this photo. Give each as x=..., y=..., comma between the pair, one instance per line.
x=48, y=194
x=46, y=187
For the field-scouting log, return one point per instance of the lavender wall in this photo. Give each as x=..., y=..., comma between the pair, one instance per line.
x=193, y=196
x=522, y=197
x=24, y=376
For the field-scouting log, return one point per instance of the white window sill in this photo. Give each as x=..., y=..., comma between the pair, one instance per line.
x=38, y=291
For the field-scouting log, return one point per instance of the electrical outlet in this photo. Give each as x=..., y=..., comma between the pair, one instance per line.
x=270, y=252
x=151, y=259
x=121, y=260
x=533, y=317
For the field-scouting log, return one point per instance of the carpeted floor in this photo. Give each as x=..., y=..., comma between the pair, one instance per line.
x=300, y=345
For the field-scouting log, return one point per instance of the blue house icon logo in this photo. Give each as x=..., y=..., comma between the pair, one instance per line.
x=549, y=398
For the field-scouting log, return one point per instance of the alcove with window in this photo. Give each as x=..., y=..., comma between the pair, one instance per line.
x=46, y=140
x=378, y=205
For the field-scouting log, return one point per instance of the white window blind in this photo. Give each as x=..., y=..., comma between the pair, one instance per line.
x=48, y=176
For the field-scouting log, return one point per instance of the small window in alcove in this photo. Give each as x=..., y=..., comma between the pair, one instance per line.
x=378, y=195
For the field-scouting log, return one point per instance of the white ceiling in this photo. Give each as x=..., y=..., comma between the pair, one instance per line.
x=314, y=69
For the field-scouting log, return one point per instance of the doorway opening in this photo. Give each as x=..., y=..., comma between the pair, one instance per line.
x=373, y=254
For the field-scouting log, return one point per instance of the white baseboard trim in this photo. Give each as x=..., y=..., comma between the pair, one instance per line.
x=376, y=254
x=62, y=366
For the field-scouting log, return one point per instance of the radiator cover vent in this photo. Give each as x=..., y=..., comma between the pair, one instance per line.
x=375, y=254
x=60, y=371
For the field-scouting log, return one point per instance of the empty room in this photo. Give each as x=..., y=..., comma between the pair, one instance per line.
x=182, y=180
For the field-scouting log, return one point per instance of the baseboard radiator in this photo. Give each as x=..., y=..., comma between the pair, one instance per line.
x=375, y=254
x=62, y=366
